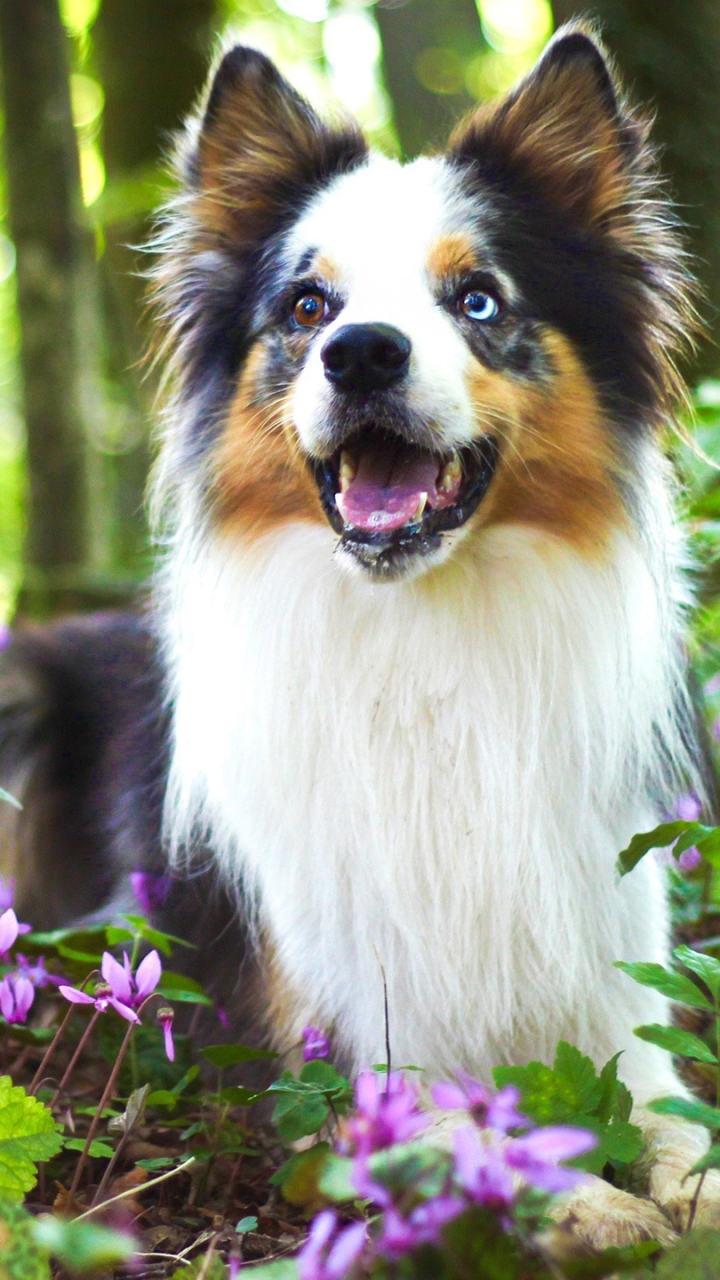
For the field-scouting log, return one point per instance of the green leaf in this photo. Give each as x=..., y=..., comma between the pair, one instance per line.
x=610, y=1102
x=279, y=1269
x=674, y=1040
x=694, y=1257
x=155, y=1165
x=659, y=838
x=674, y=985
x=298, y=1178
x=98, y=1150
x=688, y=1109
x=621, y=1142
x=21, y=1256
x=239, y=1097
x=177, y=987
x=335, y=1181
x=298, y=1115
x=83, y=1246
x=28, y=1134
x=711, y=1159
x=155, y=937
x=5, y=795
x=230, y=1055
x=546, y=1097
x=246, y=1224
x=706, y=967
x=579, y=1071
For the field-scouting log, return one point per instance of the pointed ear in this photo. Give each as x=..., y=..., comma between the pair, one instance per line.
x=260, y=147
x=564, y=127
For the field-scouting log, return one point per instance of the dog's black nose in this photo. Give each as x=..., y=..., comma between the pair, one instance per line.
x=366, y=357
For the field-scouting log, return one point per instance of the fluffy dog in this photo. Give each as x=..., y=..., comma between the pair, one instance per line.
x=421, y=610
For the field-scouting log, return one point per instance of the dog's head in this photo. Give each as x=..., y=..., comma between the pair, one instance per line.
x=406, y=354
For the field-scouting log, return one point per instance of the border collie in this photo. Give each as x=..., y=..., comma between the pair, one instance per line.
x=421, y=610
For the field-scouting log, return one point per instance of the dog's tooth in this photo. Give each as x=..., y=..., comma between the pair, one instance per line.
x=451, y=473
x=347, y=472
x=422, y=503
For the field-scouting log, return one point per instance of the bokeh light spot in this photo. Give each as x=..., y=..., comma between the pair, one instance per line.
x=440, y=71
x=79, y=15
x=92, y=173
x=513, y=26
x=310, y=10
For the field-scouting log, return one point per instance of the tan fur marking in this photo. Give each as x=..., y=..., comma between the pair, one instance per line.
x=558, y=460
x=287, y=1010
x=260, y=475
x=326, y=269
x=451, y=255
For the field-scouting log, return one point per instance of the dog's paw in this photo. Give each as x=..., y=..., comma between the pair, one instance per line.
x=602, y=1216
x=677, y=1197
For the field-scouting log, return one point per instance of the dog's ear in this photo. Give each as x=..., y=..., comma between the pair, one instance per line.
x=260, y=148
x=564, y=128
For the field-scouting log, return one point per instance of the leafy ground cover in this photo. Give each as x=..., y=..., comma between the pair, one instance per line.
x=125, y=1149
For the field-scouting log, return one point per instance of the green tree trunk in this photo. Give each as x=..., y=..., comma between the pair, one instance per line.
x=427, y=47
x=53, y=258
x=669, y=54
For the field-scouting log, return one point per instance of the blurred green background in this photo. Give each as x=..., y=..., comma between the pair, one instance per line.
x=91, y=93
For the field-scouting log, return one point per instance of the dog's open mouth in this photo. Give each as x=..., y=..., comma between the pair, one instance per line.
x=387, y=497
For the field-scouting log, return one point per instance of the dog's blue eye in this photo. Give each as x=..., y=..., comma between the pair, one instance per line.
x=480, y=306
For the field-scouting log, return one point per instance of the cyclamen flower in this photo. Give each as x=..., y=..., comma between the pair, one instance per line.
x=7, y=893
x=386, y=1112
x=123, y=991
x=483, y=1173
x=16, y=996
x=9, y=930
x=36, y=972
x=329, y=1252
x=150, y=890
x=165, y=1018
x=423, y=1225
x=316, y=1044
x=496, y=1111
x=536, y=1156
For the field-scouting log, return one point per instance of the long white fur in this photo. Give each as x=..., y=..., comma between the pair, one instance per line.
x=436, y=774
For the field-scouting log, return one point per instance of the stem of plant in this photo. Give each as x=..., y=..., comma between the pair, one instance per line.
x=132, y=1191
x=107, y=1094
x=71, y=1064
x=695, y=1199
x=51, y=1049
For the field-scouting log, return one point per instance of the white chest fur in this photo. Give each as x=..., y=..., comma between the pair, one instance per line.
x=436, y=774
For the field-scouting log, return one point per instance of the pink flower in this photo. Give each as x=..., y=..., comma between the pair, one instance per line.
x=7, y=893
x=536, y=1156
x=150, y=890
x=316, y=1044
x=690, y=859
x=422, y=1226
x=494, y=1111
x=713, y=684
x=16, y=996
x=329, y=1252
x=687, y=807
x=9, y=930
x=37, y=973
x=386, y=1112
x=123, y=991
x=482, y=1171
x=165, y=1018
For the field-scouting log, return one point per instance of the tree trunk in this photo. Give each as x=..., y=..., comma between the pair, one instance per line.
x=427, y=44
x=53, y=257
x=669, y=56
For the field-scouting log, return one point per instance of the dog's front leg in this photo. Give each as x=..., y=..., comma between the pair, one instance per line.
x=673, y=1147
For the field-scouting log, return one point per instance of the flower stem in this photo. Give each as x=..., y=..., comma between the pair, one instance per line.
x=132, y=1191
x=39, y=1074
x=109, y=1087
x=71, y=1064
x=695, y=1199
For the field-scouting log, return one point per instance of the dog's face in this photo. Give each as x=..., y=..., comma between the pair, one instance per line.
x=409, y=354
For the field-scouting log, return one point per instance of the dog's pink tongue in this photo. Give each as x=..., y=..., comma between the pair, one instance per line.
x=388, y=488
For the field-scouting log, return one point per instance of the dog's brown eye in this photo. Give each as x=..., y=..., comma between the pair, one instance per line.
x=309, y=310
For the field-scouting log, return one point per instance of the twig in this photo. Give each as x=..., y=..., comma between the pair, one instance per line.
x=386, y=1010
x=695, y=1199
x=132, y=1191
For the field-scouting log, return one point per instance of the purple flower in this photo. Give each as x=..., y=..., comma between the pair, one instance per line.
x=386, y=1112
x=37, y=973
x=715, y=730
x=329, y=1253
x=423, y=1226
x=5, y=635
x=316, y=1045
x=536, y=1156
x=690, y=859
x=123, y=991
x=494, y=1111
x=713, y=684
x=165, y=1018
x=687, y=808
x=9, y=930
x=7, y=892
x=482, y=1171
x=16, y=996
x=222, y=1016
x=150, y=890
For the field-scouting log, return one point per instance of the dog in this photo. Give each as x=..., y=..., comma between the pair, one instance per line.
x=414, y=670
